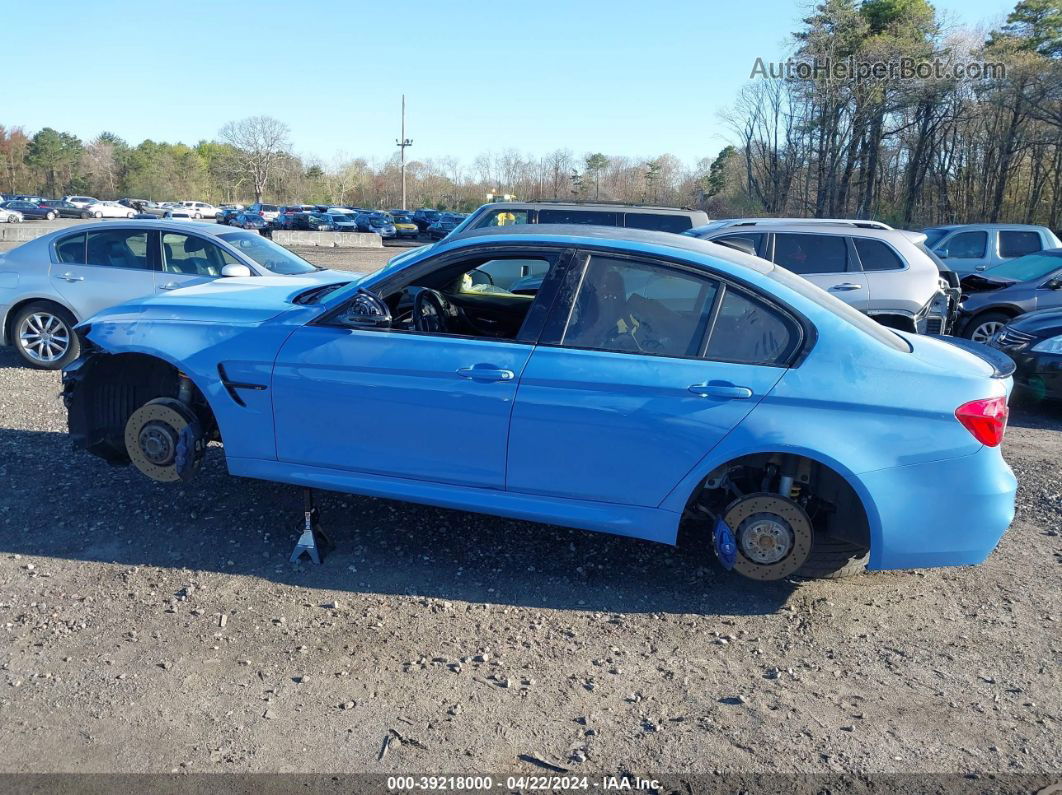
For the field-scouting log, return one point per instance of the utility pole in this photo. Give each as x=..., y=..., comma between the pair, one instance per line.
x=402, y=143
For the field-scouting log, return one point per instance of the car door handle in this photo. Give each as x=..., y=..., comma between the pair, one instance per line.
x=169, y=286
x=486, y=374
x=846, y=286
x=725, y=391
x=69, y=277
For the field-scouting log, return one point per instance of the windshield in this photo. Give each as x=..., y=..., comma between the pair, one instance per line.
x=1031, y=266
x=934, y=236
x=380, y=220
x=268, y=254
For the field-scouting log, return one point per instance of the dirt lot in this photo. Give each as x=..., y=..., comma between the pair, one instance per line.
x=157, y=628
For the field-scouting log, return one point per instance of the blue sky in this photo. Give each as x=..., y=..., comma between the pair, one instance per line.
x=589, y=75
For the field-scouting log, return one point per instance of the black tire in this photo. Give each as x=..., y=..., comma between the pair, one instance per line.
x=831, y=559
x=85, y=215
x=73, y=348
x=983, y=319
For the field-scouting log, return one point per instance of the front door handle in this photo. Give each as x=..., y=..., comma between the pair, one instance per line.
x=725, y=391
x=169, y=286
x=486, y=374
x=69, y=277
x=845, y=286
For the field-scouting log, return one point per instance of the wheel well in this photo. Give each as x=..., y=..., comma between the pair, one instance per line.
x=834, y=507
x=9, y=321
x=104, y=392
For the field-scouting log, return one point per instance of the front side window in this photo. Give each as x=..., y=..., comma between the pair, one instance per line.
x=657, y=222
x=193, y=256
x=71, y=249
x=592, y=217
x=807, y=254
x=119, y=248
x=638, y=307
x=967, y=245
x=502, y=217
x=1018, y=244
x=877, y=256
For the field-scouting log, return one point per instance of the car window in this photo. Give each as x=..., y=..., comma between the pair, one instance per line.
x=805, y=254
x=119, y=248
x=268, y=254
x=967, y=245
x=71, y=249
x=748, y=331
x=657, y=222
x=595, y=218
x=502, y=274
x=193, y=256
x=755, y=239
x=502, y=217
x=639, y=307
x=1018, y=243
x=877, y=256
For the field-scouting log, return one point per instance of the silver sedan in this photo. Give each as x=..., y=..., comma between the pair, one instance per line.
x=52, y=283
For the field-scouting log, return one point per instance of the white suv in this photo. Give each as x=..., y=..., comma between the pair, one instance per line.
x=885, y=273
x=199, y=210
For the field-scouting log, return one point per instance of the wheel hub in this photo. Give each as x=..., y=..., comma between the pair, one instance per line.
x=765, y=538
x=158, y=441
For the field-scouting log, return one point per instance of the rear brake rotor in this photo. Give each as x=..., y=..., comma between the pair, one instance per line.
x=164, y=440
x=773, y=535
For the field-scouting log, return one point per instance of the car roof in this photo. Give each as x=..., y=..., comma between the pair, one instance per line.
x=586, y=235
x=950, y=227
x=562, y=205
x=164, y=226
x=816, y=229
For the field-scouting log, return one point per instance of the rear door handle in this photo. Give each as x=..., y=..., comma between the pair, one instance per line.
x=725, y=391
x=69, y=277
x=169, y=286
x=486, y=374
x=846, y=286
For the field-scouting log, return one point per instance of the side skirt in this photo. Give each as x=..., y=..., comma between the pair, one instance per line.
x=650, y=524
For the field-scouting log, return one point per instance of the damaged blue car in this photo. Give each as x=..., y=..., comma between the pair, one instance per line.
x=654, y=386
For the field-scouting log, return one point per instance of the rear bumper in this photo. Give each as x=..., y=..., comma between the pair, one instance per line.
x=944, y=513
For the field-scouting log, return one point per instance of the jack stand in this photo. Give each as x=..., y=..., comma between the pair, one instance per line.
x=313, y=540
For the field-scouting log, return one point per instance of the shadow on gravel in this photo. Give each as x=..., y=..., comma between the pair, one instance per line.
x=68, y=504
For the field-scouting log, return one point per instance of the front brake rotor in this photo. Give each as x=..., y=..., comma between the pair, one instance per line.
x=164, y=440
x=773, y=535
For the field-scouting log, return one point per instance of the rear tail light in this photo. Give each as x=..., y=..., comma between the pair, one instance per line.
x=986, y=419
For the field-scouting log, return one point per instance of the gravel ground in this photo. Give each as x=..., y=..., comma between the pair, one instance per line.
x=157, y=628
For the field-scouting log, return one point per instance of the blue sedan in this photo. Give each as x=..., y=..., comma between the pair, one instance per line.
x=655, y=386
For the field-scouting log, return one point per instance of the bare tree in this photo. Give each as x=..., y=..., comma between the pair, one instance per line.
x=262, y=142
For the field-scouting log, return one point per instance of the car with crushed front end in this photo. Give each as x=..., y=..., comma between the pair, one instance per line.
x=993, y=298
x=656, y=386
x=50, y=284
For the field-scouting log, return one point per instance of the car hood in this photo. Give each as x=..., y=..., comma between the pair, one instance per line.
x=1046, y=320
x=976, y=283
x=233, y=301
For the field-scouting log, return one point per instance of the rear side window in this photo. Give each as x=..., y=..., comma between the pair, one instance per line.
x=877, y=256
x=119, y=248
x=71, y=249
x=748, y=331
x=967, y=245
x=595, y=218
x=658, y=222
x=1018, y=244
x=639, y=307
x=806, y=254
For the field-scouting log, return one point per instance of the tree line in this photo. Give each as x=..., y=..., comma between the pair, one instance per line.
x=910, y=150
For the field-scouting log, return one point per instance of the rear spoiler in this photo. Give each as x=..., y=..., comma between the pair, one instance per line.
x=1002, y=365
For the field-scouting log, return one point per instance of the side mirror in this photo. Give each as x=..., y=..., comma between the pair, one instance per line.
x=367, y=311
x=941, y=252
x=1053, y=284
x=235, y=270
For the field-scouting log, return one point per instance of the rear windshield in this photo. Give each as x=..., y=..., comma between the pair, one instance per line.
x=840, y=308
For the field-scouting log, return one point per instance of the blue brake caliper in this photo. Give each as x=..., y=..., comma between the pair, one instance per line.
x=725, y=545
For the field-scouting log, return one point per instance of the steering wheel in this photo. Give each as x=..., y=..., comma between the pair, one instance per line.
x=430, y=312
